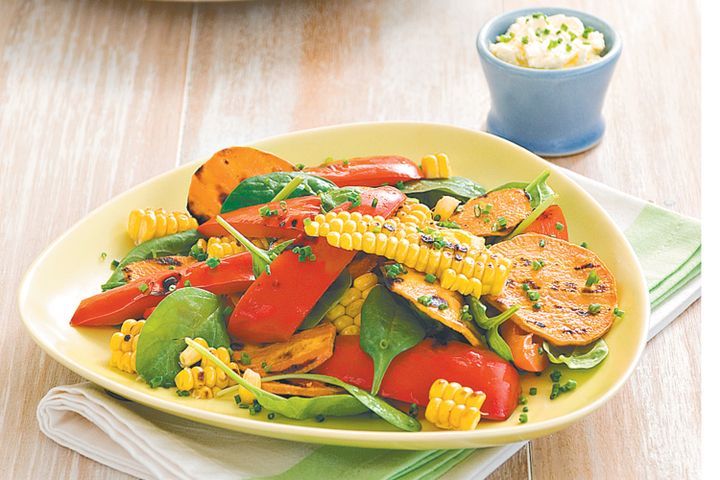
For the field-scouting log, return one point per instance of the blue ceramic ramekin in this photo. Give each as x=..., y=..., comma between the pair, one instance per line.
x=550, y=112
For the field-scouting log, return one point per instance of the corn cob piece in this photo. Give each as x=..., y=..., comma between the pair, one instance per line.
x=200, y=378
x=453, y=406
x=346, y=314
x=435, y=166
x=123, y=345
x=467, y=268
x=220, y=247
x=149, y=223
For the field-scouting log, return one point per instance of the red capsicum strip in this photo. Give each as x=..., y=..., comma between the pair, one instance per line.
x=548, y=221
x=287, y=223
x=232, y=274
x=368, y=171
x=411, y=373
x=275, y=305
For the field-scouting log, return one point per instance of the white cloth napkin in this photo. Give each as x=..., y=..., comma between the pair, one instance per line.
x=149, y=444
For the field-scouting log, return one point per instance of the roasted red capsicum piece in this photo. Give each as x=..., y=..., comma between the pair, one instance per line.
x=411, y=373
x=276, y=304
x=232, y=274
x=368, y=171
x=525, y=347
x=548, y=223
x=283, y=221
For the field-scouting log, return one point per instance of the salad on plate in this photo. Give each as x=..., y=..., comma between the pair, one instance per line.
x=374, y=285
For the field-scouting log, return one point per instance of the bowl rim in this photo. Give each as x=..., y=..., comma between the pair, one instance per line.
x=321, y=435
x=610, y=56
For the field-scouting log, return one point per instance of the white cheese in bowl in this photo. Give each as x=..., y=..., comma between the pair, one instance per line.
x=549, y=42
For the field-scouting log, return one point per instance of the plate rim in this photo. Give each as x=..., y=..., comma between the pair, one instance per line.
x=342, y=436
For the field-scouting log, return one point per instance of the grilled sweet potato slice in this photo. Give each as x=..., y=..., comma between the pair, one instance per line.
x=217, y=177
x=561, y=314
x=143, y=268
x=495, y=213
x=301, y=389
x=302, y=353
x=412, y=286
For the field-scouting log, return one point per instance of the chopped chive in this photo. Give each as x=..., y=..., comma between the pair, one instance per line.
x=559, y=227
x=618, y=313
x=542, y=243
x=212, y=262
x=584, y=245
x=537, y=264
x=374, y=202
x=425, y=300
x=555, y=375
x=187, y=283
x=525, y=40
x=592, y=279
x=533, y=391
x=143, y=287
x=523, y=418
x=430, y=278
x=594, y=308
x=103, y=256
x=400, y=185
x=245, y=358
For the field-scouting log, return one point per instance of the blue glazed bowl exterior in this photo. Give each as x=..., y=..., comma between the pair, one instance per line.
x=549, y=112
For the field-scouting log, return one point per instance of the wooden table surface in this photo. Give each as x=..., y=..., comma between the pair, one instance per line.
x=96, y=96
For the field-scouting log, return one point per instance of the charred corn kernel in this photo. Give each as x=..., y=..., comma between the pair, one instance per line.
x=190, y=356
x=357, y=319
x=365, y=293
x=222, y=353
x=435, y=166
x=453, y=406
x=145, y=224
x=349, y=226
x=335, y=312
x=445, y=207
x=336, y=225
x=412, y=255
x=253, y=378
x=368, y=242
x=355, y=307
x=351, y=330
x=203, y=393
x=123, y=345
x=447, y=279
x=324, y=229
x=344, y=215
x=391, y=248
x=365, y=281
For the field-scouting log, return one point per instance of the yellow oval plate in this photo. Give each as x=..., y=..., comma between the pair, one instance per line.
x=72, y=269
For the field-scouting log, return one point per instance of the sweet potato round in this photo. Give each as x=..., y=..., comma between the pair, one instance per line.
x=563, y=316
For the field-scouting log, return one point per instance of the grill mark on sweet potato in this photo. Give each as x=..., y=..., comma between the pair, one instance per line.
x=564, y=299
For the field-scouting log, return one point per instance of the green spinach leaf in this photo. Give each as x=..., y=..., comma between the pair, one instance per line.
x=492, y=324
x=187, y=312
x=383, y=409
x=429, y=191
x=578, y=357
x=388, y=329
x=263, y=188
x=175, y=244
x=330, y=298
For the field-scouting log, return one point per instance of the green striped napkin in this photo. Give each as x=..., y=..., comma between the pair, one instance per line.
x=150, y=444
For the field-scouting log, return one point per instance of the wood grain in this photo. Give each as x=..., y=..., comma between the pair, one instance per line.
x=97, y=96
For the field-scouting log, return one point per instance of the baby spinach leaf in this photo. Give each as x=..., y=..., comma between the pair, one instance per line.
x=263, y=188
x=298, y=408
x=578, y=357
x=331, y=199
x=388, y=329
x=492, y=324
x=383, y=409
x=429, y=191
x=175, y=244
x=330, y=298
x=187, y=312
